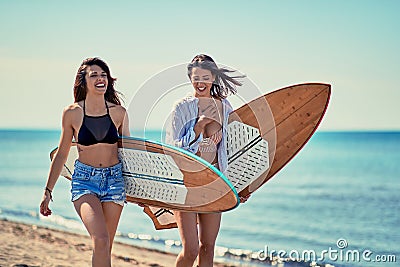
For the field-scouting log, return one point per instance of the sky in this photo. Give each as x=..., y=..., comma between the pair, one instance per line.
x=352, y=45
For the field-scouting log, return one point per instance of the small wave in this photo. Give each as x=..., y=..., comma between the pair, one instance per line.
x=167, y=243
x=33, y=217
x=63, y=222
x=4, y=212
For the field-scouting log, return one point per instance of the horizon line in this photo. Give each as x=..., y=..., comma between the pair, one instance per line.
x=158, y=130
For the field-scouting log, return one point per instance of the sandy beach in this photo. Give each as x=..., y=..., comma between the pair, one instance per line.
x=30, y=245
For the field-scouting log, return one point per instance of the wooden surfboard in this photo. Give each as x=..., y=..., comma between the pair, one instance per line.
x=264, y=135
x=164, y=176
x=286, y=119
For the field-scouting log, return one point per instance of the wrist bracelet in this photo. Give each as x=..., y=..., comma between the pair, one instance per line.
x=49, y=190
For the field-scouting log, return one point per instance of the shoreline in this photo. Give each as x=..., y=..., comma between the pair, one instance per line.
x=31, y=245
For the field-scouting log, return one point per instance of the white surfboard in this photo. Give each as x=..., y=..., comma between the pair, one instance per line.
x=164, y=176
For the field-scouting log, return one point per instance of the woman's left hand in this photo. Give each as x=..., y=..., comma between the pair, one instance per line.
x=244, y=199
x=44, y=205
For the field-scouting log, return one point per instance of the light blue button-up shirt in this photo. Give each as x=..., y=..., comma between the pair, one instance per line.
x=180, y=131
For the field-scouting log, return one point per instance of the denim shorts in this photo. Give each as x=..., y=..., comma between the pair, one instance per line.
x=106, y=183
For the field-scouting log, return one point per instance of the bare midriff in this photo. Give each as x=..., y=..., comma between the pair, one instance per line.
x=99, y=155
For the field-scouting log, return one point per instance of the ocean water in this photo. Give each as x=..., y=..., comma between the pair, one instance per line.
x=336, y=202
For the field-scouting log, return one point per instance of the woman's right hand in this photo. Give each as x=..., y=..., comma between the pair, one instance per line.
x=204, y=120
x=44, y=205
x=201, y=124
x=209, y=110
x=245, y=198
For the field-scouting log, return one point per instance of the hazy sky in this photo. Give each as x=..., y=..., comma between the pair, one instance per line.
x=353, y=45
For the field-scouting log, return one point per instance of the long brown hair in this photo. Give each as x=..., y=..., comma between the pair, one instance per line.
x=223, y=84
x=111, y=95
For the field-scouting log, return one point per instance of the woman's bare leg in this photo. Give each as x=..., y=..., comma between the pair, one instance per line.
x=90, y=210
x=187, y=225
x=112, y=213
x=208, y=227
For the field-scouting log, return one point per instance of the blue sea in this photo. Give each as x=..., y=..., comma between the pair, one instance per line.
x=336, y=203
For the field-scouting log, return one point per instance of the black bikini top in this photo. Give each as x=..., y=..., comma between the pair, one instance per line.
x=94, y=130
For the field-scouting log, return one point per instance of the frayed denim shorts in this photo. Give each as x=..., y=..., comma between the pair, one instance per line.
x=106, y=183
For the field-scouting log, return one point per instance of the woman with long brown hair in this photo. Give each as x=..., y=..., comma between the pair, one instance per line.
x=95, y=121
x=198, y=125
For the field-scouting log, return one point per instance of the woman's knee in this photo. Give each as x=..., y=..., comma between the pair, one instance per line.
x=207, y=247
x=191, y=253
x=101, y=242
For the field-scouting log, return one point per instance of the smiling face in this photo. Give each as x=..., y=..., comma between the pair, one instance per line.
x=202, y=80
x=96, y=80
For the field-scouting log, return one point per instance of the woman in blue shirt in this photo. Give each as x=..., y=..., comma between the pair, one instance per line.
x=199, y=125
